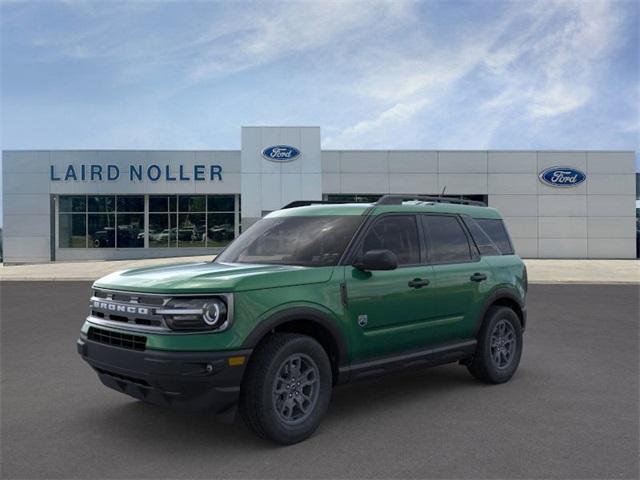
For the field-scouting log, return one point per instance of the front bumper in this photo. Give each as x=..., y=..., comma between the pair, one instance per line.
x=188, y=380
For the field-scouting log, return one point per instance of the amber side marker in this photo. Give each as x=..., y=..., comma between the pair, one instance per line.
x=236, y=361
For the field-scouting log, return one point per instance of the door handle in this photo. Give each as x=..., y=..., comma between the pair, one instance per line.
x=478, y=277
x=418, y=283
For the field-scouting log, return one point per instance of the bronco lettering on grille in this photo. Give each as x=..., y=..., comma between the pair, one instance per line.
x=117, y=307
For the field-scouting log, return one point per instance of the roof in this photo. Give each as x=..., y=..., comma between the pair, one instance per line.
x=373, y=209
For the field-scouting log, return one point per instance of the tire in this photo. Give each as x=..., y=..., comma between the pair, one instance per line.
x=497, y=364
x=275, y=409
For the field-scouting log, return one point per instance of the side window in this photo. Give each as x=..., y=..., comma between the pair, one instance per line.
x=498, y=233
x=447, y=241
x=484, y=243
x=398, y=233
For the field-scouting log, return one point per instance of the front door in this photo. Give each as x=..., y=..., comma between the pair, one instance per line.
x=389, y=311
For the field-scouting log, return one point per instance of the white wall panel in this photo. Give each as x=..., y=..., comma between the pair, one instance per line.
x=423, y=183
x=355, y=161
x=512, y=183
x=600, y=184
x=612, y=248
x=330, y=183
x=271, y=193
x=311, y=186
x=522, y=227
x=562, y=247
x=562, y=227
x=16, y=183
x=24, y=249
x=462, y=183
x=562, y=205
x=462, y=162
x=26, y=204
x=515, y=205
x=330, y=162
x=513, y=162
x=413, y=162
x=365, y=183
x=612, y=227
x=526, y=247
x=575, y=159
x=31, y=161
x=26, y=226
x=611, y=162
x=612, y=205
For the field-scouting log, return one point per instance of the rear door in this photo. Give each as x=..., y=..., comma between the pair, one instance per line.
x=461, y=276
x=389, y=311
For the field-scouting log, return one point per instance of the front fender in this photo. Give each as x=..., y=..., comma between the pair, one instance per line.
x=299, y=311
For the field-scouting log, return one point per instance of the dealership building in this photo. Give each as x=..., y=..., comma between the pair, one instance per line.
x=122, y=204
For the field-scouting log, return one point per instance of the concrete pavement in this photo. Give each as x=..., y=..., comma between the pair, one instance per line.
x=571, y=411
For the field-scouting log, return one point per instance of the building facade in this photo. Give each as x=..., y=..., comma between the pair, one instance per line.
x=120, y=204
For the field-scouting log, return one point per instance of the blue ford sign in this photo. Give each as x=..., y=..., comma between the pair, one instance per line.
x=281, y=153
x=562, y=177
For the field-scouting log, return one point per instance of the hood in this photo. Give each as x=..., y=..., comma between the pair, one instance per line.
x=208, y=277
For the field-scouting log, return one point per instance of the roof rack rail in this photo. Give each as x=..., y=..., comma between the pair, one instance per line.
x=398, y=199
x=306, y=203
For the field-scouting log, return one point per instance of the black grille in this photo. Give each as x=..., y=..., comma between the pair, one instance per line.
x=117, y=339
x=130, y=297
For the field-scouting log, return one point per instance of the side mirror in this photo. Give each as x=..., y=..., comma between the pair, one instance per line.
x=377, y=260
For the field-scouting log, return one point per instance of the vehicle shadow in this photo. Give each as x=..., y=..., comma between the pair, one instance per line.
x=191, y=432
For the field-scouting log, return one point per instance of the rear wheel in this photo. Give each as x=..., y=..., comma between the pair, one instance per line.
x=287, y=388
x=499, y=346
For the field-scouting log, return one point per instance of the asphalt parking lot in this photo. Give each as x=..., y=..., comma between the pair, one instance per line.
x=570, y=412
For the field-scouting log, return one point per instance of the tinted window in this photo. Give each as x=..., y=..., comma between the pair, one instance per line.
x=484, y=243
x=447, y=241
x=498, y=233
x=398, y=234
x=307, y=241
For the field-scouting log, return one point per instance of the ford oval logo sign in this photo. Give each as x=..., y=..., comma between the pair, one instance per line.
x=562, y=177
x=281, y=153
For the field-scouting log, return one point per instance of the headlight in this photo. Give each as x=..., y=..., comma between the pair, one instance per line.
x=196, y=314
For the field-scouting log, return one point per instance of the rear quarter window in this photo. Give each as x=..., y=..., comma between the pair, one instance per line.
x=497, y=232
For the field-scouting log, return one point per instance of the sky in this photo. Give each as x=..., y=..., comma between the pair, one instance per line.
x=372, y=74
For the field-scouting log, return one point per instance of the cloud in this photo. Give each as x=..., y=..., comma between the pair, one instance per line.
x=539, y=60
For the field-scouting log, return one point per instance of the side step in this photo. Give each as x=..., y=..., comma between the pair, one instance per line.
x=438, y=355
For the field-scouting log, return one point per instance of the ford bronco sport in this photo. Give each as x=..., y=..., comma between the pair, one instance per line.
x=310, y=297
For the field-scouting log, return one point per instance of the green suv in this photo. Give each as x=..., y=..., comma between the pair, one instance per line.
x=310, y=297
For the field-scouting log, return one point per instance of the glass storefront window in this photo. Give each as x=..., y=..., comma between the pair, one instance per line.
x=102, y=203
x=221, y=203
x=101, y=230
x=220, y=229
x=73, y=230
x=159, y=230
x=73, y=203
x=192, y=203
x=354, y=198
x=191, y=230
x=131, y=203
x=118, y=221
x=130, y=230
x=158, y=203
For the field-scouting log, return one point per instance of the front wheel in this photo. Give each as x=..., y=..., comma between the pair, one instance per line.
x=499, y=346
x=287, y=388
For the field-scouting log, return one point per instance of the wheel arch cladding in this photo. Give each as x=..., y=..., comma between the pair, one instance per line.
x=505, y=298
x=306, y=321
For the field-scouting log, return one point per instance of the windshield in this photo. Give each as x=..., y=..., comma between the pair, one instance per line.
x=316, y=241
